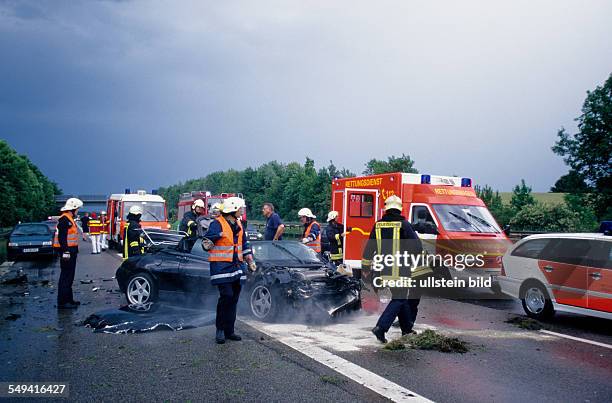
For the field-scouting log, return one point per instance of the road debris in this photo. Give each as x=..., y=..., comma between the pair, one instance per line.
x=428, y=340
x=19, y=278
x=12, y=316
x=86, y=281
x=526, y=323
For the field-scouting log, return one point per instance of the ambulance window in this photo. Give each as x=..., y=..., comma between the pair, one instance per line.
x=361, y=205
x=421, y=214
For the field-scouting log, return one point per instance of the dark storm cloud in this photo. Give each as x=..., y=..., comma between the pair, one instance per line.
x=142, y=94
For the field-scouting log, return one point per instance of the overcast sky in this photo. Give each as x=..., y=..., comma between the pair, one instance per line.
x=104, y=95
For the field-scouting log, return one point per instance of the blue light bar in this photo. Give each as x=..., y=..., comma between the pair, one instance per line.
x=127, y=191
x=466, y=182
x=425, y=179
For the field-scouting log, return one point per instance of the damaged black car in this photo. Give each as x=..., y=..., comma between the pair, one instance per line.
x=290, y=276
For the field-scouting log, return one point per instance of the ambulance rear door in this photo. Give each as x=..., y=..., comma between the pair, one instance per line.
x=360, y=212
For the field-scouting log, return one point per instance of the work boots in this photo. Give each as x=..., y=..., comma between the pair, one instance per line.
x=234, y=337
x=220, y=337
x=380, y=334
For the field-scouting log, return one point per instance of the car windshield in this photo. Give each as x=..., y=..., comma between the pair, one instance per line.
x=289, y=252
x=151, y=211
x=31, y=229
x=464, y=218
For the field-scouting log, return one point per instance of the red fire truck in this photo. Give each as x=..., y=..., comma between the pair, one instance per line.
x=187, y=199
x=463, y=223
x=155, y=214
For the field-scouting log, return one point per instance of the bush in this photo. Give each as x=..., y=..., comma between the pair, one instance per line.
x=553, y=218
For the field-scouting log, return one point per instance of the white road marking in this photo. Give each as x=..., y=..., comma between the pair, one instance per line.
x=362, y=376
x=595, y=343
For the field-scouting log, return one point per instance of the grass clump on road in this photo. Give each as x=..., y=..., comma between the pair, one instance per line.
x=429, y=340
x=526, y=323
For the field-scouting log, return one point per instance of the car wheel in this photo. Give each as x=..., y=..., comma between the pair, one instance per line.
x=263, y=302
x=141, y=289
x=536, y=302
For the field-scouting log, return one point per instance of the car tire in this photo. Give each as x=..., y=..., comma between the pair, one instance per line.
x=264, y=302
x=536, y=301
x=141, y=289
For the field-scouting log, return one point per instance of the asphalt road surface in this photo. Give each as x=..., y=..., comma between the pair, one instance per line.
x=336, y=360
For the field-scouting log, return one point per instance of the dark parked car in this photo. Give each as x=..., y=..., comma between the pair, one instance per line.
x=30, y=239
x=51, y=223
x=289, y=275
x=253, y=233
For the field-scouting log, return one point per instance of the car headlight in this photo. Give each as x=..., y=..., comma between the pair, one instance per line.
x=259, y=236
x=47, y=243
x=13, y=244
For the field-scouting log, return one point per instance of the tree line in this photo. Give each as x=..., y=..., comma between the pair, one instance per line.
x=26, y=194
x=289, y=186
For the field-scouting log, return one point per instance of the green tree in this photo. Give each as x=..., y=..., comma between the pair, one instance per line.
x=549, y=218
x=494, y=202
x=572, y=182
x=589, y=151
x=393, y=164
x=27, y=194
x=521, y=196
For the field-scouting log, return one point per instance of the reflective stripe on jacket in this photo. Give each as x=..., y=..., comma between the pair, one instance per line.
x=133, y=243
x=225, y=247
x=95, y=226
x=73, y=233
x=316, y=243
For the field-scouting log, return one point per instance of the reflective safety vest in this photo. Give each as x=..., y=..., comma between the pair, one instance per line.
x=95, y=226
x=224, y=248
x=316, y=244
x=73, y=233
x=104, y=229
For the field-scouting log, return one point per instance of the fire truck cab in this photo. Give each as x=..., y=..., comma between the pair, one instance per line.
x=446, y=203
x=155, y=213
x=187, y=199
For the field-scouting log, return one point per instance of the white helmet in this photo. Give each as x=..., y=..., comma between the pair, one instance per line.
x=305, y=212
x=215, y=208
x=197, y=203
x=72, y=204
x=232, y=204
x=332, y=215
x=393, y=202
x=102, y=212
x=136, y=210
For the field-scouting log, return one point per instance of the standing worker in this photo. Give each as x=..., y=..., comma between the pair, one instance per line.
x=312, y=230
x=66, y=242
x=274, y=225
x=335, y=232
x=95, y=227
x=393, y=234
x=189, y=222
x=85, y=224
x=228, y=249
x=104, y=229
x=133, y=242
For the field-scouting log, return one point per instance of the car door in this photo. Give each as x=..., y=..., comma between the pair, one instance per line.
x=561, y=263
x=599, y=280
x=167, y=271
x=195, y=270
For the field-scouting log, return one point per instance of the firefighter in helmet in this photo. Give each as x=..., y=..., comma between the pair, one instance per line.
x=66, y=243
x=312, y=230
x=215, y=210
x=133, y=242
x=390, y=236
x=228, y=249
x=335, y=232
x=189, y=222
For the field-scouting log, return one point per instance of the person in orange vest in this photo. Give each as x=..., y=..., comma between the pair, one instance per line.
x=312, y=230
x=95, y=227
x=228, y=250
x=104, y=229
x=66, y=243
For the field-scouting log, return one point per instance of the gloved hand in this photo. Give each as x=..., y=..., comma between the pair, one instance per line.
x=207, y=244
x=252, y=266
x=305, y=240
x=65, y=255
